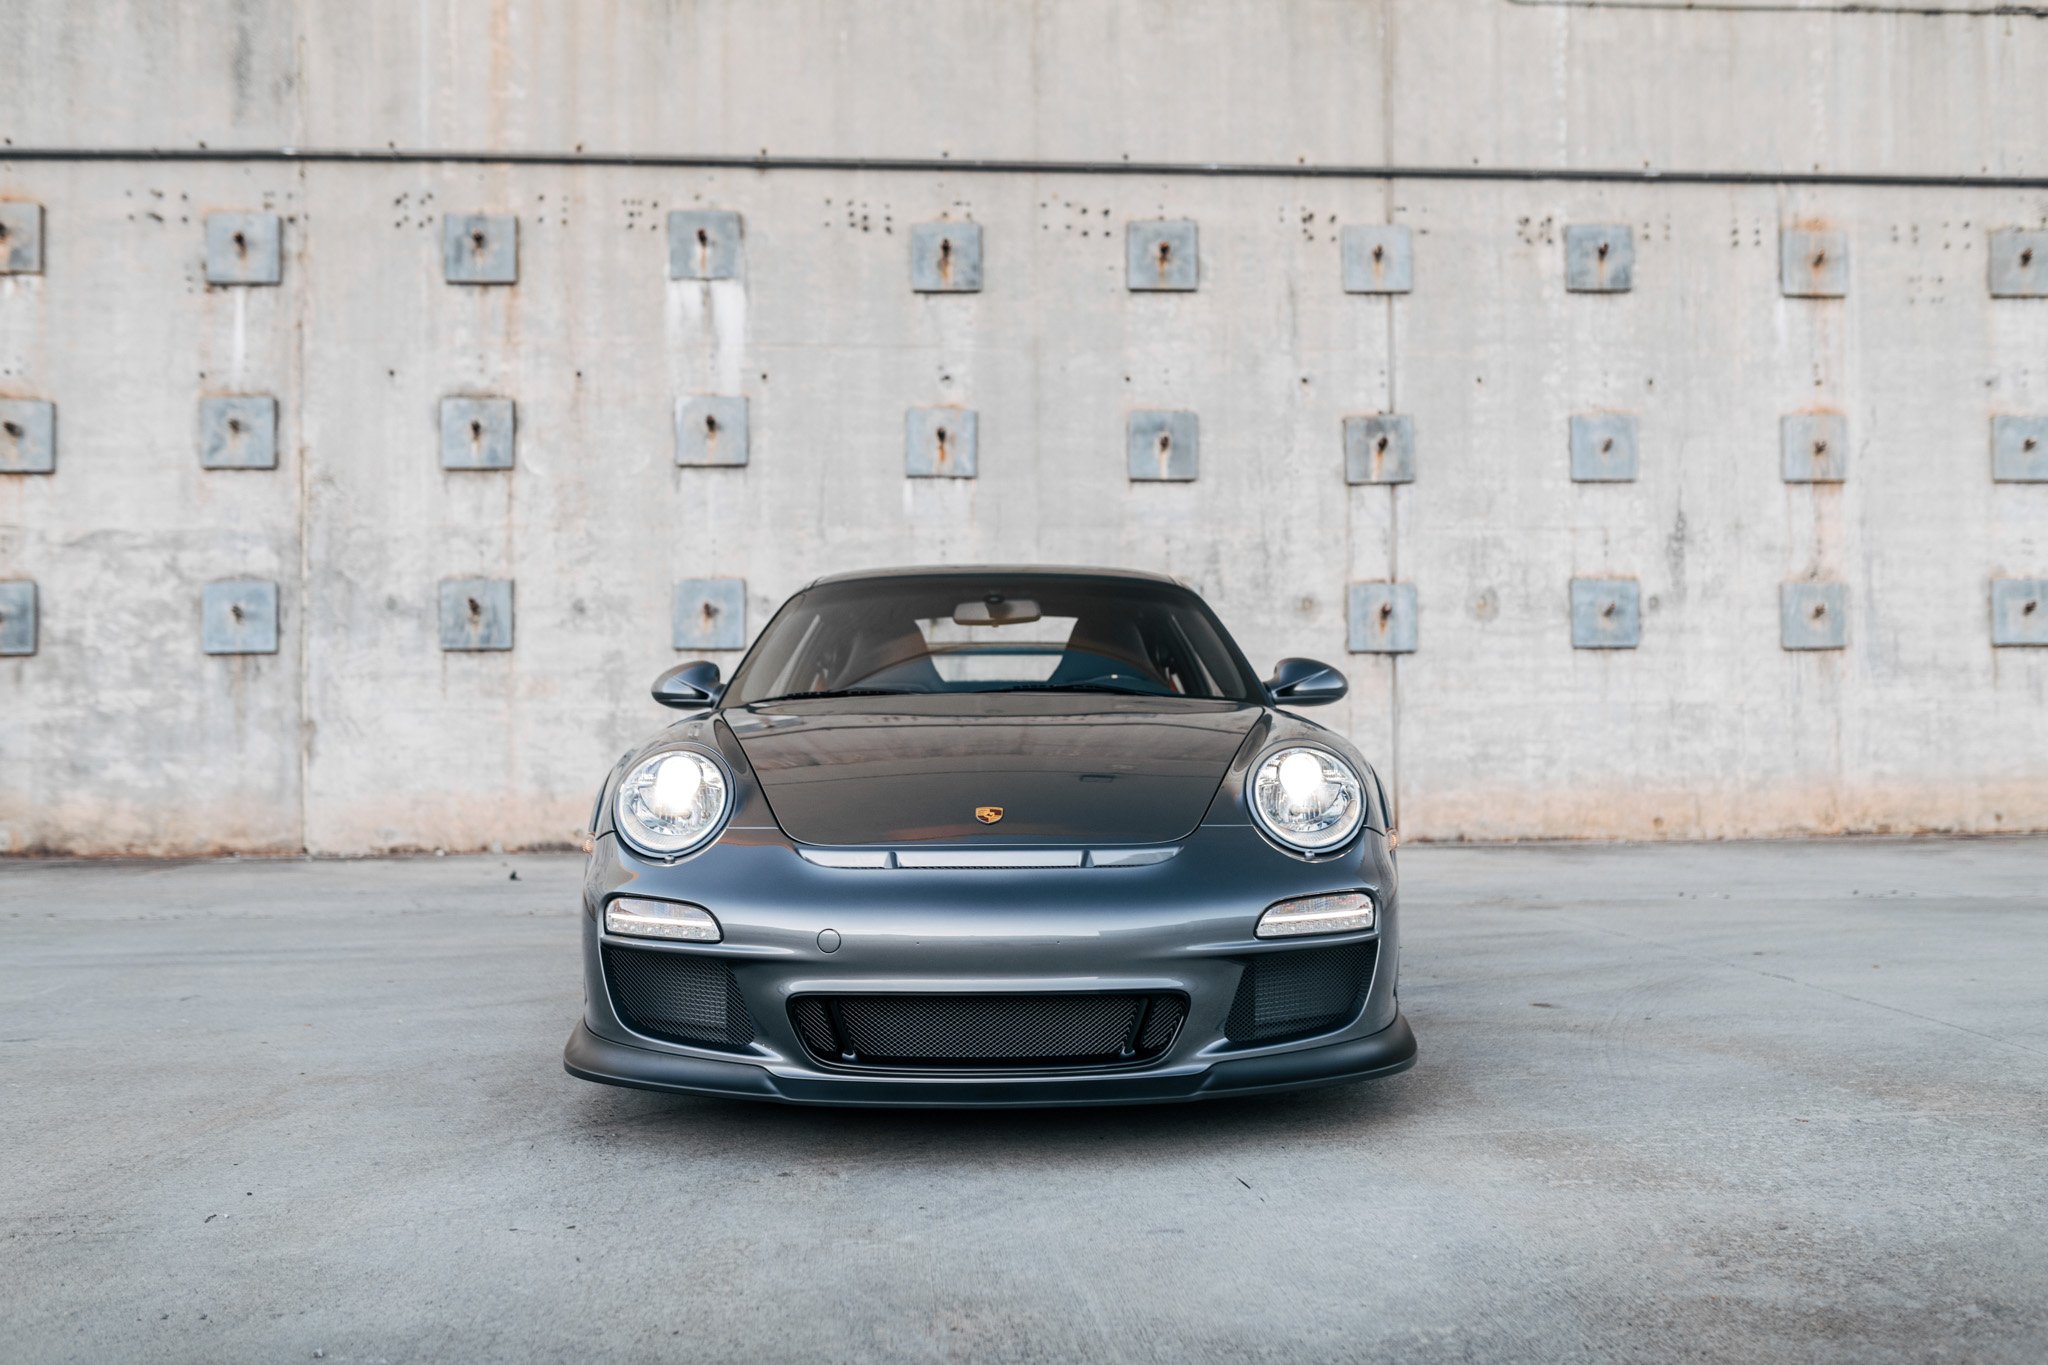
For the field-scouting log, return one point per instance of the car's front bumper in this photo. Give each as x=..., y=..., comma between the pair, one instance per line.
x=1181, y=929
x=1390, y=1050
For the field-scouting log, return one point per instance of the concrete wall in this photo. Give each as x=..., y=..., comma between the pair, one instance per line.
x=119, y=734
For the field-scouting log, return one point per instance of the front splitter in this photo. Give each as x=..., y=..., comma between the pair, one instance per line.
x=592, y=1058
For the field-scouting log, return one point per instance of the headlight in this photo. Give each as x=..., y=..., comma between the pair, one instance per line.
x=1307, y=798
x=671, y=803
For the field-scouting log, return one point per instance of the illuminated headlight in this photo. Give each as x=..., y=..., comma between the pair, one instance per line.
x=1307, y=798
x=671, y=803
x=660, y=919
x=1338, y=914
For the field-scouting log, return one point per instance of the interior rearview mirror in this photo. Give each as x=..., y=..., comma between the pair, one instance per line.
x=996, y=611
x=1305, y=682
x=689, y=687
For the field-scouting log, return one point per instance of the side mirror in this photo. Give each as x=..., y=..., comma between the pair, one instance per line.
x=1304, y=682
x=689, y=687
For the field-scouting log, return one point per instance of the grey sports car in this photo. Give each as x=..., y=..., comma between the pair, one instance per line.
x=1001, y=836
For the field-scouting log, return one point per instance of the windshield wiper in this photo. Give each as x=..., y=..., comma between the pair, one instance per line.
x=840, y=692
x=1077, y=687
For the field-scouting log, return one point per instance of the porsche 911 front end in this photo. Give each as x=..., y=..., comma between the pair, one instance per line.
x=1039, y=837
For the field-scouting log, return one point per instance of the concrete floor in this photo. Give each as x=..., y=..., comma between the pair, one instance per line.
x=1730, y=1102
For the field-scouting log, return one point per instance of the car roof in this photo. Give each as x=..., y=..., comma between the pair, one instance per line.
x=995, y=571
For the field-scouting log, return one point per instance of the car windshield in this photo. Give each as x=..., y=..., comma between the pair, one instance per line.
x=956, y=633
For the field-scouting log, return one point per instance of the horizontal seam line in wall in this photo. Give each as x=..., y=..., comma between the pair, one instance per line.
x=1865, y=9
x=947, y=165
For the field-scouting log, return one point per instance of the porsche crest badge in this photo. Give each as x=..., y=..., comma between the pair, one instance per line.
x=988, y=815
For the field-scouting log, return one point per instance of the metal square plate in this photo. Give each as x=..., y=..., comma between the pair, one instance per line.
x=476, y=613
x=28, y=436
x=1813, y=263
x=238, y=616
x=703, y=244
x=480, y=248
x=17, y=617
x=1813, y=615
x=940, y=443
x=2019, y=611
x=2018, y=263
x=1599, y=258
x=243, y=248
x=1815, y=447
x=21, y=238
x=477, y=433
x=238, y=432
x=2019, y=449
x=1378, y=259
x=1603, y=447
x=1379, y=448
x=945, y=258
x=1381, y=618
x=1607, y=613
x=710, y=613
x=711, y=429
x=1163, y=446
x=1161, y=255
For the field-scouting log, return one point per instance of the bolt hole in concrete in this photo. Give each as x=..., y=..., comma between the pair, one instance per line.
x=14, y=430
x=476, y=432
x=2028, y=609
x=1601, y=251
x=1819, y=610
x=476, y=242
x=234, y=426
x=476, y=608
x=2029, y=443
x=235, y=611
x=1820, y=447
x=2027, y=256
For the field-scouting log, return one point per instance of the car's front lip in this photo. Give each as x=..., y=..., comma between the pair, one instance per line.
x=1183, y=925
x=1390, y=1050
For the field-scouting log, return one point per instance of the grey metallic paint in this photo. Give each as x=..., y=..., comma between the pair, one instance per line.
x=1184, y=924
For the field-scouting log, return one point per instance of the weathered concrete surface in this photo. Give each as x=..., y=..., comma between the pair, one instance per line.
x=360, y=734
x=1435, y=82
x=1700, y=1102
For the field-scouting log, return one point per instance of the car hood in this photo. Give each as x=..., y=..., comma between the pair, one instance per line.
x=1064, y=769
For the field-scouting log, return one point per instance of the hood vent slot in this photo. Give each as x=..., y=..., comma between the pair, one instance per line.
x=959, y=859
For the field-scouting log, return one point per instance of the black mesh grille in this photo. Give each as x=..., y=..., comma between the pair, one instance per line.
x=1161, y=1023
x=679, y=997
x=1293, y=992
x=983, y=1032
x=814, y=1026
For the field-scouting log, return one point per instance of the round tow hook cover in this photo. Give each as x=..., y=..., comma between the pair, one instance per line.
x=828, y=940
